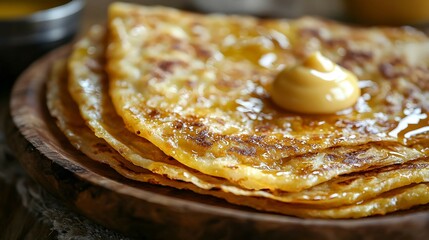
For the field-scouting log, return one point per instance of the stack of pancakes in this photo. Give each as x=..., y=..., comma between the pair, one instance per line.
x=183, y=100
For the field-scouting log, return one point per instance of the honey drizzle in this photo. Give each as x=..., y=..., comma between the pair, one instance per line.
x=415, y=123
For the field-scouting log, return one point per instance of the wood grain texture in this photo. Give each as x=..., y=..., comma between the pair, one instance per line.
x=155, y=212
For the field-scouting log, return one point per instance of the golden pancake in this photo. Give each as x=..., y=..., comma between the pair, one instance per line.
x=66, y=113
x=70, y=122
x=88, y=85
x=397, y=199
x=198, y=87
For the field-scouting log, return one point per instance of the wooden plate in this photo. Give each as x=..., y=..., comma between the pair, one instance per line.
x=139, y=209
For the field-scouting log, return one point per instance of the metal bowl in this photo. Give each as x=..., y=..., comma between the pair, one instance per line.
x=24, y=39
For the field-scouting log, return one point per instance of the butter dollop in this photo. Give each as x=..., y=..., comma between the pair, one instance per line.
x=317, y=86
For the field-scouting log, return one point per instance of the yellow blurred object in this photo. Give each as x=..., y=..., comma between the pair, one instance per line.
x=392, y=12
x=20, y=8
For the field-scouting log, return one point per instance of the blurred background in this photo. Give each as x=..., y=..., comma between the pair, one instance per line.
x=263, y=8
x=30, y=28
x=385, y=12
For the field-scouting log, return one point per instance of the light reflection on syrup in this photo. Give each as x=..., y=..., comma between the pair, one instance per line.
x=252, y=108
x=414, y=123
x=267, y=60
